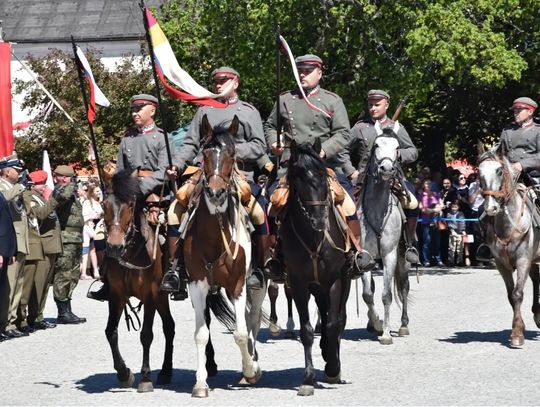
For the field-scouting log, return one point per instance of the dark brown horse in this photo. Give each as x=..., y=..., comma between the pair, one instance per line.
x=217, y=252
x=134, y=269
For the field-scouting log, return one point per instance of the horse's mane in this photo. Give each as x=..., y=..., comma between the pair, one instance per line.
x=308, y=159
x=125, y=187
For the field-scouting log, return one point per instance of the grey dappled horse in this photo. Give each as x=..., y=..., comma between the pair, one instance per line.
x=382, y=228
x=510, y=234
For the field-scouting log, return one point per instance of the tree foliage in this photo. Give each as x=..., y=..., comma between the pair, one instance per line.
x=460, y=62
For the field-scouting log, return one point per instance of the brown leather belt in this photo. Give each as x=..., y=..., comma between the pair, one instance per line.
x=145, y=173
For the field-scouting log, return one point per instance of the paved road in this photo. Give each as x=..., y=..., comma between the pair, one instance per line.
x=457, y=354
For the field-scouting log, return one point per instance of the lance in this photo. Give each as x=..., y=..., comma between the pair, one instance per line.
x=400, y=107
x=278, y=94
x=90, y=126
x=156, y=81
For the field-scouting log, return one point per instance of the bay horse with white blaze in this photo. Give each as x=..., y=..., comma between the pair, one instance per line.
x=510, y=234
x=217, y=252
x=313, y=247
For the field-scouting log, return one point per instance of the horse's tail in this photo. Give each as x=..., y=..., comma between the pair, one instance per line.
x=222, y=309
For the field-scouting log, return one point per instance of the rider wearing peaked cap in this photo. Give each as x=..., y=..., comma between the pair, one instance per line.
x=250, y=156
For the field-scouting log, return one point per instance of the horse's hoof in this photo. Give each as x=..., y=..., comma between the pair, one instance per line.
x=126, y=384
x=306, y=390
x=275, y=330
x=386, y=340
x=290, y=335
x=211, y=370
x=333, y=380
x=200, y=392
x=517, y=341
x=375, y=328
x=403, y=331
x=255, y=378
x=163, y=379
x=145, y=387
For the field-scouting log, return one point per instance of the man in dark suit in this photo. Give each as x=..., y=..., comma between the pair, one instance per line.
x=8, y=247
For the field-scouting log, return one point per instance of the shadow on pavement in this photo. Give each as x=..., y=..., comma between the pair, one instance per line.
x=183, y=381
x=502, y=337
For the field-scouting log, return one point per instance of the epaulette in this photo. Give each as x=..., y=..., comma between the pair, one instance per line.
x=511, y=126
x=330, y=93
x=364, y=123
x=248, y=105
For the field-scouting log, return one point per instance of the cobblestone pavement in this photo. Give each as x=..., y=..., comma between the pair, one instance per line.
x=457, y=354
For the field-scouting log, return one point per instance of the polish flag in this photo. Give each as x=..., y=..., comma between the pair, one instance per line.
x=96, y=95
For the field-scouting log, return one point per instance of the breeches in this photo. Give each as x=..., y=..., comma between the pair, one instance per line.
x=66, y=276
x=12, y=291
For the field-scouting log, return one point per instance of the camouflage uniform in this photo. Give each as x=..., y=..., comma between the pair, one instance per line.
x=66, y=276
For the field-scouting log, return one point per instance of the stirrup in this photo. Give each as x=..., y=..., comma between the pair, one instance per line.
x=171, y=280
x=362, y=262
x=483, y=253
x=182, y=293
x=411, y=255
x=273, y=271
x=100, y=295
x=256, y=280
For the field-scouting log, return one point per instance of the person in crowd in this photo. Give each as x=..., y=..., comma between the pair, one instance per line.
x=456, y=228
x=305, y=124
x=38, y=207
x=142, y=149
x=363, y=137
x=8, y=254
x=10, y=171
x=92, y=213
x=448, y=195
x=250, y=149
x=67, y=265
x=476, y=201
x=430, y=207
x=520, y=144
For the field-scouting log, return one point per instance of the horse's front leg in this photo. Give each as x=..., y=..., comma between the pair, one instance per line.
x=289, y=333
x=250, y=368
x=535, y=277
x=301, y=299
x=517, y=338
x=273, y=292
x=368, y=291
x=253, y=319
x=211, y=366
x=164, y=376
x=332, y=332
x=390, y=263
x=402, y=277
x=198, y=292
x=147, y=336
x=123, y=373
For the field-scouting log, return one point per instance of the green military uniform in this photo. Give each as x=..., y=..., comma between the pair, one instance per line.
x=12, y=296
x=522, y=144
x=305, y=125
x=363, y=137
x=38, y=261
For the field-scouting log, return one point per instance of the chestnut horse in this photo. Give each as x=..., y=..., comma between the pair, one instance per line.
x=217, y=252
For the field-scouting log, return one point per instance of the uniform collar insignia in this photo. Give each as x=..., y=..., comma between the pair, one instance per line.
x=527, y=124
x=312, y=92
x=232, y=101
x=147, y=129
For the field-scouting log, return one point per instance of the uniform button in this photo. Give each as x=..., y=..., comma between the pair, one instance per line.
x=294, y=126
x=295, y=133
x=318, y=99
x=290, y=111
x=238, y=109
x=144, y=162
x=294, y=97
x=311, y=128
x=129, y=150
x=154, y=136
x=129, y=155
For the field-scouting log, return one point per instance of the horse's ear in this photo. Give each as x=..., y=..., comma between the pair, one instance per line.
x=480, y=148
x=317, y=146
x=233, y=128
x=205, y=132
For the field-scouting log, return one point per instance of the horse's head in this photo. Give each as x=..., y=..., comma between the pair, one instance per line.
x=308, y=184
x=384, y=152
x=219, y=158
x=119, y=211
x=496, y=180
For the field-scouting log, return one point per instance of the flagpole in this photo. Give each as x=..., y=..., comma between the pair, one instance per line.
x=90, y=126
x=156, y=81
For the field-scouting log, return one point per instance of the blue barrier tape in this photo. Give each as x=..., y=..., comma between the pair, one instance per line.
x=422, y=220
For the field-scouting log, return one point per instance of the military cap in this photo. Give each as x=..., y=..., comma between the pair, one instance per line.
x=225, y=72
x=39, y=176
x=11, y=161
x=64, y=170
x=525, y=102
x=308, y=60
x=378, y=94
x=143, y=99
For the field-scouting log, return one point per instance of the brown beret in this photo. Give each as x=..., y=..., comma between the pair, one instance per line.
x=64, y=170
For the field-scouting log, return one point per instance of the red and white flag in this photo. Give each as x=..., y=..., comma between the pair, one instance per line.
x=285, y=47
x=6, y=126
x=169, y=70
x=46, y=166
x=96, y=95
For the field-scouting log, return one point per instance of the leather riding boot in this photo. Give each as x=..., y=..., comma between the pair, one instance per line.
x=171, y=279
x=411, y=252
x=273, y=269
x=362, y=260
x=103, y=293
x=64, y=317
x=81, y=320
x=256, y=279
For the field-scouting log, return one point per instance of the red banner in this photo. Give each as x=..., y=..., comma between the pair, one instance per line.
x=6, y=126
